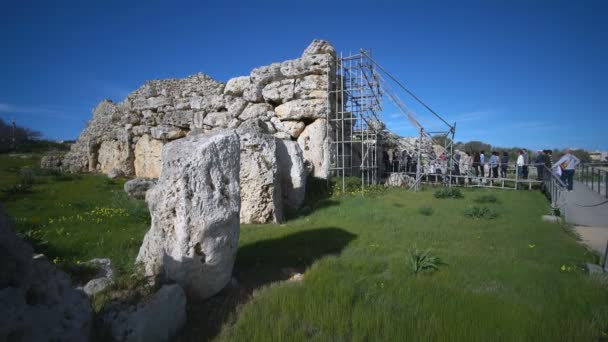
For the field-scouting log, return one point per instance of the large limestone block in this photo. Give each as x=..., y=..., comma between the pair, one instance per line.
x=256, y=111
x=312, y=87
x=319, y=46
x=147, y=157
x=157, y=319
x=292, y=128
x=306, y=65
x=179, y=118
x=279, y=92
x=315, y=145
x=302, y=109
x=164, y=132
x=237, y=85
x=260, y=182
x=195, y=214
x=115, y=155
x=218, y=119
x=293, y=173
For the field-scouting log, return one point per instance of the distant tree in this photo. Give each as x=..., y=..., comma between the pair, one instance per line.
x=476, y=146
x=583, y=155
x=23, y=139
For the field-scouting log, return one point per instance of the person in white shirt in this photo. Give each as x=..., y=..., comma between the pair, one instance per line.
x=520, y=164
x=567, y=163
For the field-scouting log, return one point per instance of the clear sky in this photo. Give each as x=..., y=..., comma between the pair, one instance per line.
x=525, y=73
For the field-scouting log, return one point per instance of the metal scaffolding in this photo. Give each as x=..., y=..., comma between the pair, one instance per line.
x=354, y=123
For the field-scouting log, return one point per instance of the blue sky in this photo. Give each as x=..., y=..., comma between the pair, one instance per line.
x=525, y=73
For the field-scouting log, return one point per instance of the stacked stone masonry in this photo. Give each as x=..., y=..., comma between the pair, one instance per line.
x=287, y=102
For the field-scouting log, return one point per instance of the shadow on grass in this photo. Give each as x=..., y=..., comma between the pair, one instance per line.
x=318, y=194
x=258, y=264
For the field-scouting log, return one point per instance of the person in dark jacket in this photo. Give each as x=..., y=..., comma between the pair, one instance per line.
x=539, y=162
x=504, y=164
x=476, y=163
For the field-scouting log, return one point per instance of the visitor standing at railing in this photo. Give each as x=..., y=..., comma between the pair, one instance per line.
x=504, y=164
x=482, y=163
x=567, y=163
x=539, y=163
x=520, y=164
x=526, y=163
x=494, y=164
x=476, y=163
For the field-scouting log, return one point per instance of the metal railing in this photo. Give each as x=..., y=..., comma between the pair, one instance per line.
x=595, y=176
x=553, y=187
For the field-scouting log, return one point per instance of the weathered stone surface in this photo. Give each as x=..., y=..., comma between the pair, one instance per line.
x=253, y=93
x=319, y=46
x=157, y=319
x=103, y=278
x=51, y=162
x=115, y=173
x=256, y=111
x=302, y=109
x=279, y=92
x=260, y=182
x=235, y=105
x=254, y=125
x=167, y=132
x=293, y=173
x=37, y=301
x=218, y=119
x=312, y=87
x=178, y=118
x=266, y=74
x=315, y=145
x=292, y=128
x=136, y=188
x=236, y=86
x=115, y=155
x=306, y=65
x=195, y=213
x=147, y=157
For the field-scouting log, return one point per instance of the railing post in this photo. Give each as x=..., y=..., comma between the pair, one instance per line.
x=606, y=181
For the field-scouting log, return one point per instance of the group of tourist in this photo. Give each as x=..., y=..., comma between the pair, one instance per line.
x=488, y=166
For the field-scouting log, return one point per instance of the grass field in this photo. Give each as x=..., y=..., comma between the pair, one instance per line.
x=506, y=276
x=73, y=219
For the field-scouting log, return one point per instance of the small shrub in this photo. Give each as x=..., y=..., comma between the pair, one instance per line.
x=426, y=211
x=423, y=261
x=448, y=193
x=478, y=213
x=486, y=199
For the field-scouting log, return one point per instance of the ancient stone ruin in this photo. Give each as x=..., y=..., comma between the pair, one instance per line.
x=279, y=111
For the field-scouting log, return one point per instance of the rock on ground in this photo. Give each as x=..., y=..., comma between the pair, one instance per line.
x=137, y=188
x=260, y=182
x=195, y=214
x=103, y=278
x=37, y=300
x=158, y=318
x=51, y=161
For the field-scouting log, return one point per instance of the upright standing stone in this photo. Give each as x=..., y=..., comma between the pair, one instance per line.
x=195, y=214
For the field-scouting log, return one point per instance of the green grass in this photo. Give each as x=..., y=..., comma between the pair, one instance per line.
x=358, y=285
x=512, y=278
x=73, y=219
